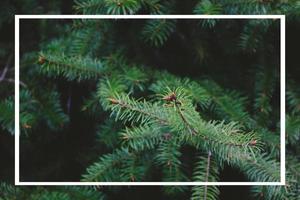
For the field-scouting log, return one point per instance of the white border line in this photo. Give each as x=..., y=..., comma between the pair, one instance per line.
x=17, y=102
x=282, y=100
x=282, y=94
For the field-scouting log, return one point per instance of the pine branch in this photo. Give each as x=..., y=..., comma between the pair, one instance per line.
x=144, y=137
x=126, y=109
x=206, y=170
x=51, y=111
x=293, y=98
x=81, y=193
x=113, y=7
x=168, y=157
x=293, y=129
x=267, y=168
x=9, y=192
x=207, y=7
x=90, y=6
x=86, y=41
x=157, y=31
x=108, y=167
x=157, y=6
x=7, y=115
x=72, y=68
x=218, y=136
x=246, y=7
x=108, y=134
x=264, y=88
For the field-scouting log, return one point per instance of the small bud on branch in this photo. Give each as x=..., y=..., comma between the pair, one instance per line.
x=41, y=60
x=253, y=142
x=113, y=101
x=170, y=97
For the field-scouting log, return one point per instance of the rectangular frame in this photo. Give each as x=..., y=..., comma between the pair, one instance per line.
x=282, y=94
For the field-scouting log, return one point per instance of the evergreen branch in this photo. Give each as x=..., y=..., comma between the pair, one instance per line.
x=49, y=196
x=122, y=7
x=206, y=170
x=126, y=109
x=208, y=8
x=168, y=155
x=9, y=192
x=86, y=41
x=72, y=68
x=144, y=137
x=81, y=193
x=7, y=115
x=246, y=6
x=157, y=31
x=264, y=88
x=108, y=167
x=90, y=6
x=113, y=7
x=135, y=77
x=230, y=103
x=267, y=168
x=293, y=167
x=293, y=129
x=157, y=6
x=134, y=169
x=51, y=110
x=293, y=98
x=107, y=133
x=207, y=174
x=108, y=89
x=193, y=89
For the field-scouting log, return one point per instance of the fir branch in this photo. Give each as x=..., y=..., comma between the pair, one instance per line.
x=126, y=109
x=246, y=7
x=108, y=166
x=206, y=170
x=264, y=88
x=207, y=7
x=293, y=129
x=157, y=6
x=114, y=7
x=72, y=68
x=109, y=89
x=81, y=193
x=168, y=156
x=90, y=6
x=267, y=168
x=293, y=98
x=7, y=115
x=86, y=41
x=144, y=137
x=9, y=192
x=157, y=31
x=107, y=133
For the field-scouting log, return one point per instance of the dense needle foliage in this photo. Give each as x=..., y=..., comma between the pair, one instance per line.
x=151, y=100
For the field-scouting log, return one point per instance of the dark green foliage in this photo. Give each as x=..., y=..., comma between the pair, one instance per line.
x=7, y=115
x=122, y=7
x=9, y=192
x=71, y=67
x=119, y=7
x=156, y=32
x=153, y=100
x=206, y=170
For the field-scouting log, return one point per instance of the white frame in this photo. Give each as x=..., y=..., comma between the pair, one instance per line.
x=282, y=94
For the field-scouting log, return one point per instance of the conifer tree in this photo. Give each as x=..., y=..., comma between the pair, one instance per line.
x=151, y=113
